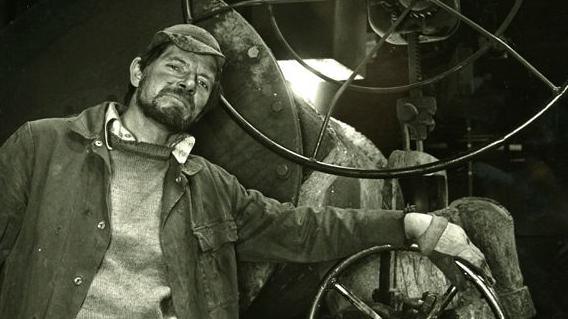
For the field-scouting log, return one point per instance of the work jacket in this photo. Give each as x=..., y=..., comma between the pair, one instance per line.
x=55, y=227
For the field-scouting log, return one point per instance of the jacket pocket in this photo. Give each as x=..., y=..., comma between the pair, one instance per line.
x=213, y=236
x=217, y=263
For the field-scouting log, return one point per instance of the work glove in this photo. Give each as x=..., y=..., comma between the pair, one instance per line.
x=443, y=242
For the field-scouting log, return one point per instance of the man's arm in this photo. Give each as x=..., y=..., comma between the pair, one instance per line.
x=270, y=230
x=16, y=161
x=273, y=231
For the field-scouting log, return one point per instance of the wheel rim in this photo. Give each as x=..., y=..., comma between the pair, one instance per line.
x=330, y=282
x=311, y=162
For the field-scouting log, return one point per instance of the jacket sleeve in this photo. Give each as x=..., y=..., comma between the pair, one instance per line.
x=16, y=160
x=272, y=231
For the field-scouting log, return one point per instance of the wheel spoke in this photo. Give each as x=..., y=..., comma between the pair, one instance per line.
x=495, y=38
x=444, y=302
x=331, y=283
x=448, y=297
x=355, y=301
x=346, y=84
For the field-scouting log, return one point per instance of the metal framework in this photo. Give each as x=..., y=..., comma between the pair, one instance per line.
x=558, y=92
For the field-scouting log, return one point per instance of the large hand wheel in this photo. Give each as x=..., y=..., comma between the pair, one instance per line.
x=310, y=160
x=429, y=310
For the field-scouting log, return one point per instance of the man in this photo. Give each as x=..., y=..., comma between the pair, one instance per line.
x=108, y=215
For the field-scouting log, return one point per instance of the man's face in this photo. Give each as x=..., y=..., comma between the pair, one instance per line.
x=174, y=88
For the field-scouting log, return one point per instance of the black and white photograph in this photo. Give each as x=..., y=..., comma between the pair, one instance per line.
x=283, y=159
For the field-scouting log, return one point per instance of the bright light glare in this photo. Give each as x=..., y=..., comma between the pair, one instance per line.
x=305, y=83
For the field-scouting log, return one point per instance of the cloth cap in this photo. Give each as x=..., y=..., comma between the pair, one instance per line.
x=191, y=38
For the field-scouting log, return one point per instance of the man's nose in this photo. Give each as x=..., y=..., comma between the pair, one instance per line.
x=188, y=84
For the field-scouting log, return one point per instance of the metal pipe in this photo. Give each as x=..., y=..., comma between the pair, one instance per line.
x=186, y=9
x=363, y=62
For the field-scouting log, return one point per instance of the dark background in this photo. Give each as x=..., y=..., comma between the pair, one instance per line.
x=529, y=175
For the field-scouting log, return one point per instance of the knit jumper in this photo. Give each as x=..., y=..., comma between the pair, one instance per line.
x=131, y=281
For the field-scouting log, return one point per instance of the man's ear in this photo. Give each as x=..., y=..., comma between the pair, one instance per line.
x=135, y=72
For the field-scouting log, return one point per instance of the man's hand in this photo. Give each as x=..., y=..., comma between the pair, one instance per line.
x=437, y=240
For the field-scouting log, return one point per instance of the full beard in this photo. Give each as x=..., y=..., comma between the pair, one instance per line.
x=170, y=117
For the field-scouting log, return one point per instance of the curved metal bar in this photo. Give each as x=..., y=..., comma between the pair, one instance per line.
x=186, y=10
x=361, y=64
x=377, y=174
x=338, y=269
x=367, y=89
x=356, y=301
x=483, y=288
x=330, y=282
x=402, y=88
x=447, y=298
x=247, y=3
x=381, y=173
x=488, y=34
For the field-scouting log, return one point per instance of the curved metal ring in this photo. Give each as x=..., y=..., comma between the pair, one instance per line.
x=380, y=173
x=366, y=173
x=487, y=292
x=359, y=88
x=401, y=88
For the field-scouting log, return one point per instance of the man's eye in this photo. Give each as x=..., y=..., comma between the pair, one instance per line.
x=174, y=67
x=203, y=84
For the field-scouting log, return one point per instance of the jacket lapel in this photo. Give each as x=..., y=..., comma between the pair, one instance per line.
x=175, y=184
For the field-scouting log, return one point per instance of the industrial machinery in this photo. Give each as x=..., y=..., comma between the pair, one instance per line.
x=275, y=141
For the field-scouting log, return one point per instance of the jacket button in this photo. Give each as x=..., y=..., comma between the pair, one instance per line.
x=101, y=225
x=78, y=281
x=98, y=143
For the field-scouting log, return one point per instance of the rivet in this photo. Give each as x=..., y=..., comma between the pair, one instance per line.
x=178, y=179
x=277, y=106
x=282, y=170
x=98, y=143
x=101, y=225
x=78, y=281
x=253, y=52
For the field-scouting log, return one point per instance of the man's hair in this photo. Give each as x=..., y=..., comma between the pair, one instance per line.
x=146, y=59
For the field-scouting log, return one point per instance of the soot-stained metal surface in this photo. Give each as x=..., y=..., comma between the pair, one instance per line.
x=253, y=83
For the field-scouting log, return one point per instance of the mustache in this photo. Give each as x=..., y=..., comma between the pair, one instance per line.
x=179, y=92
